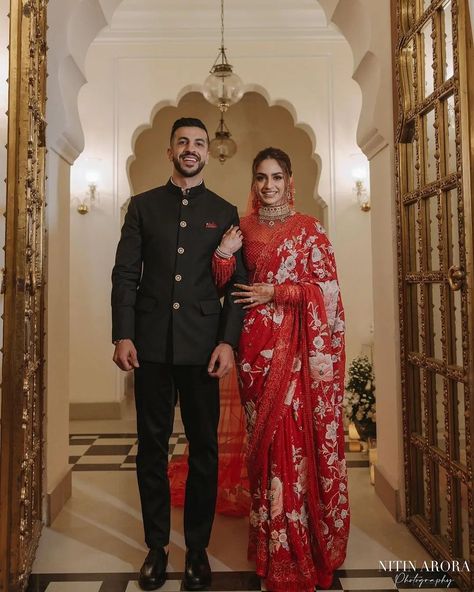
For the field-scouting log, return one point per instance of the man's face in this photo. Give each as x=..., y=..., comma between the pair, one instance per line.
x=189, y=150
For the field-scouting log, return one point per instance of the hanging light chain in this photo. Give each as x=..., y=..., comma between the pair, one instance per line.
x=222, y=88
x=222, y=24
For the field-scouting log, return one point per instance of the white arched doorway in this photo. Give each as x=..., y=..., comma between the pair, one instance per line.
x=67, y=139
x=69, y=49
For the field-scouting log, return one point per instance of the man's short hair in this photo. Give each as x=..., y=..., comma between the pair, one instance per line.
x=188, y=122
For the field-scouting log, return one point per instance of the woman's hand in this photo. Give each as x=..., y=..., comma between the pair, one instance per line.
x=254, y=295
x=231, y=241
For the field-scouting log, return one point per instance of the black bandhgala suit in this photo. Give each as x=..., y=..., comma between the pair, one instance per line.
x=165, y=300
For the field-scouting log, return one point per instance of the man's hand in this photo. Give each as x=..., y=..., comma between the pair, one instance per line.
x=125, y=355
x=222, y=361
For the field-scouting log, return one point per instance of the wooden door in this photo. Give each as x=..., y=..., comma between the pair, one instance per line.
x=433, y=54
x=22, y=379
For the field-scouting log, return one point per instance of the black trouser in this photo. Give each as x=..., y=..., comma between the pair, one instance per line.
x=155, y=396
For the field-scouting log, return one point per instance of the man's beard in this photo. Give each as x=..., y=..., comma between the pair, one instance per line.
x=184, y=172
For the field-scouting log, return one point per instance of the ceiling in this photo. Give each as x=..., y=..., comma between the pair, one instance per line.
x=244, y=19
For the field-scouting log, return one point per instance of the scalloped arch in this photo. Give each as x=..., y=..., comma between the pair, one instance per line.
x=252, y=87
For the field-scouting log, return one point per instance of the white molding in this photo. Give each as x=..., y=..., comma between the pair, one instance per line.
x=153, y=15
x=65, y=148
x=144, y=36
x=372, y=143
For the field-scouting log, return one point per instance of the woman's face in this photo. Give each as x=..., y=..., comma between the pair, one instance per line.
x=270, y=183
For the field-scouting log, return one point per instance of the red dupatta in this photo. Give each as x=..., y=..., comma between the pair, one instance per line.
x=292, y=342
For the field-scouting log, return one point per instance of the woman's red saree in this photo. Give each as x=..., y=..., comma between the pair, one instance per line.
x=291, y=376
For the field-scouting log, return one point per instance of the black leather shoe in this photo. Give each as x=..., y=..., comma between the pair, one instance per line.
x=197, y=571
x=153, y=572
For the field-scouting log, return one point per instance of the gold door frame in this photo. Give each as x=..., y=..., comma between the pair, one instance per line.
x=434, y=137
x=22, y=397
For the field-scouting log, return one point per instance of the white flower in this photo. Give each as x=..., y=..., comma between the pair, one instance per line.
x=330, y=290
x=318, y=342
x=342, y=499
x=316, y=254
x=331, y=431
x=290, y=263
x=278, y=316
x=293, y=516
x=321, y=367
x=282, y=275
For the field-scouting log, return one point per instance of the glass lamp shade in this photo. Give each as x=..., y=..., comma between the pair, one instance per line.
x=222, y=147
x=222, y=87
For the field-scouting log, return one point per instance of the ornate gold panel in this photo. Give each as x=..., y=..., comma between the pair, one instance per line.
x=433, y=54
x=22, y=381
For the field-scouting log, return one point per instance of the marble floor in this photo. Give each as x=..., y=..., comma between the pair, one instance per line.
x=96, y=542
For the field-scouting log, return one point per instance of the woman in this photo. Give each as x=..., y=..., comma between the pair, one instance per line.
x=291, y=373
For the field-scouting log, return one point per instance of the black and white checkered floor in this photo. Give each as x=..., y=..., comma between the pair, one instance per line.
x=112, y=452
x=359, y=580
x=116, y=452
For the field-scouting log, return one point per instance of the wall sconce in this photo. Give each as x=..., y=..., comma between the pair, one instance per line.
x=359, y=174
x=92, y=195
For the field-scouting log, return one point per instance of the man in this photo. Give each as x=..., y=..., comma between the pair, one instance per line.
x=170, y=328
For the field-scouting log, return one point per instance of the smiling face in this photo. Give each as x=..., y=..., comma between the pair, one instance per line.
x=189, y=151
x=271, y=183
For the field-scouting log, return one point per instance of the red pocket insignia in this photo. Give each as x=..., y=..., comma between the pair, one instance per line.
x=211, y=225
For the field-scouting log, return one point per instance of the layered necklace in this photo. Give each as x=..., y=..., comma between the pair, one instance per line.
x=271, y=214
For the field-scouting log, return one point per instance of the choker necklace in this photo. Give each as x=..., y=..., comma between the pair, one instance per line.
x=272, y=214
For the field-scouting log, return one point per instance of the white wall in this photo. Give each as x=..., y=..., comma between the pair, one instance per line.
x=127, y=84
x=57, y=321
x=367, y=26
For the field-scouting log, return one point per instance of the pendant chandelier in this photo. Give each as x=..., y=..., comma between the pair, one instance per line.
x=222, y=146
x=222, y=87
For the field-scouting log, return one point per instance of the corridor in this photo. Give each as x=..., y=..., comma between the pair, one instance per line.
x=96, y=543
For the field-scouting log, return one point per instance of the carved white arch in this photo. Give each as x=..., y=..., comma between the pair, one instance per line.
x=74, y=24
x=252, y=87
x=371, y=45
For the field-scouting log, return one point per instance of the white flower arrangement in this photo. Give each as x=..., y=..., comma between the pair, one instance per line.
x=359, y=399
